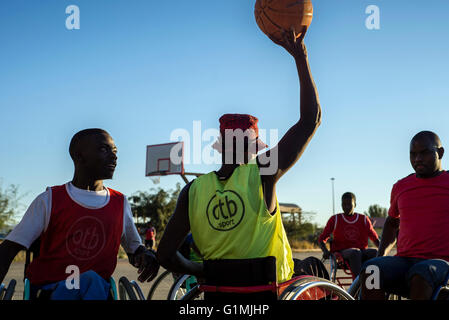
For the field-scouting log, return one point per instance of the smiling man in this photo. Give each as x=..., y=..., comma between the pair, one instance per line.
x=80, y=224
x=419, y=217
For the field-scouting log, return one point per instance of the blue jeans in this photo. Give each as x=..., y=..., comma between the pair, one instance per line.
x=396, y=272
x=91, y=287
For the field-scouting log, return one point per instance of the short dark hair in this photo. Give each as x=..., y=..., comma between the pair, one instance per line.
x=79, y=137
x=348, y=195
x=429, y=136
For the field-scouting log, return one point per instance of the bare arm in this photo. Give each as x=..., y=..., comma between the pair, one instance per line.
x=176, y=231
x=293, y=143
x=8, y=251
x=389, y=234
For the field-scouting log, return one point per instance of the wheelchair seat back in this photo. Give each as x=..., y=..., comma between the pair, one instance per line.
x=240, y=273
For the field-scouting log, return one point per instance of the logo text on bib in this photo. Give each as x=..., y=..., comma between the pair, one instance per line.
x=225, y=210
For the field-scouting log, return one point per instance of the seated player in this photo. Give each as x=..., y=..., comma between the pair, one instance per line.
x=350, y=232
x=81, y=224
x=419, y=211
x=233, y=213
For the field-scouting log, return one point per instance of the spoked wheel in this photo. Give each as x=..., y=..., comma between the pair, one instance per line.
x=161, y=287
x=126, y=290
x=194, y=294
x=355, y=290
x=313, y=288
x=182, y=286
x=6, y=293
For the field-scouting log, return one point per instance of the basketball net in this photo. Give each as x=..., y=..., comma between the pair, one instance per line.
x=155, y=179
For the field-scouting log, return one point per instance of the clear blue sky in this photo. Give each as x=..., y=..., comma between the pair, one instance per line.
x=141, y=69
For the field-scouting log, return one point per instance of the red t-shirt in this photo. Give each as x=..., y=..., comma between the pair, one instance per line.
x=349, y=232
x=423, y=208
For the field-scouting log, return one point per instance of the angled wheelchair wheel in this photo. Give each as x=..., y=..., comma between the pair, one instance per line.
x=193, y=294
x=182, y=286
x=355, y=290
x=126, y=289
x=6, y=293
x=161, y=286
x=313, y=288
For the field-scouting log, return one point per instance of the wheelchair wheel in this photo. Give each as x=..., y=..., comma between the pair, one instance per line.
x=126, y=290
x=194, y=294
x=6, y=293
x=161, y=286
x=313, y=288
x=355, y=290
x=182, y=286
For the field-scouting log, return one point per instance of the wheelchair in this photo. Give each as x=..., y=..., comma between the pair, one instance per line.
x=440, y=293
x=7, y=292
x=337, y=262
x=126, y=288
x=257, y=279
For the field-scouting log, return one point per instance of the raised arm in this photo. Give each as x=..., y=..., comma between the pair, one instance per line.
x=176, y=231
x=294, y=142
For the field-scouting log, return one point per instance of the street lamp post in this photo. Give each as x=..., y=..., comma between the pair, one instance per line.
x=333, y=196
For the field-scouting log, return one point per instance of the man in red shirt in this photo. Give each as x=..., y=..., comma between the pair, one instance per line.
x=350, y=232
x=419, y=218
x=80, y=224
x=150, y=237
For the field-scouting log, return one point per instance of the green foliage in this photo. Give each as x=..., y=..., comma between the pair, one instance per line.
x=301, y=228
x=156, y=206
x=376, y=211
x=8, y=205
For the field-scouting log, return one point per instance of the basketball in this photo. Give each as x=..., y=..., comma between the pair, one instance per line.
x=273, y=16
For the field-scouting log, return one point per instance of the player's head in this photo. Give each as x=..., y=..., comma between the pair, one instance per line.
x=94, y=153
x=426, y=153
x=239, y=140
x=348, y=202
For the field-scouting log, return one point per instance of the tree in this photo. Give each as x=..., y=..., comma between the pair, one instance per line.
x=376, y=211
x=9, y=202
x=156, y=206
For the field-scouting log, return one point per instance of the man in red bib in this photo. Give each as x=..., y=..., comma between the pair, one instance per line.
x=350, y=232
x=81, y=225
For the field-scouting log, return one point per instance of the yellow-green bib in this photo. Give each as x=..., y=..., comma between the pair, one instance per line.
x=230, y=220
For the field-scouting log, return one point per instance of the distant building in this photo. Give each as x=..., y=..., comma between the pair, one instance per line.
x=378, y=222
x=291, y=212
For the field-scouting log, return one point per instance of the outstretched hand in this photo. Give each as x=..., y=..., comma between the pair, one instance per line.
x=294, y=46
x=146, y=262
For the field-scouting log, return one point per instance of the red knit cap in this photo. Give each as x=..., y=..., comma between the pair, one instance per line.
x=238, y=121
x=233, y=121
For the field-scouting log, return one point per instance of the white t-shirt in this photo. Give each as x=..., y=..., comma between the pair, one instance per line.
x=37, y=217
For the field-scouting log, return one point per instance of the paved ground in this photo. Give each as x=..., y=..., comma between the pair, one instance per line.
x=125, y=269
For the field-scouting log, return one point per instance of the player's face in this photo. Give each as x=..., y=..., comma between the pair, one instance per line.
x=100, y=156
x=425, y=158
x=348, y=205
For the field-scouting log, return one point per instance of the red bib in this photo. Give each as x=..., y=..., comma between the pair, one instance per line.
x=350, y=232
x=76, y=235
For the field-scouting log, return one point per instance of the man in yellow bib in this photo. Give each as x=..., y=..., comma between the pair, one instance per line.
x=233, y=213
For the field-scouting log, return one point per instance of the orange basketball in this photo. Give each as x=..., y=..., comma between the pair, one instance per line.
x=272, y=16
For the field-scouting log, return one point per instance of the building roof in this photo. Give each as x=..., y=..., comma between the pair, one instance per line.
x=289, y=208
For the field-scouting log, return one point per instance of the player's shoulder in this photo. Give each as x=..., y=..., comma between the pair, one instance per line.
x=404, y=181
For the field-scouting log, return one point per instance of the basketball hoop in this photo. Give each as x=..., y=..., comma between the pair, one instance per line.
x=166, y=159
